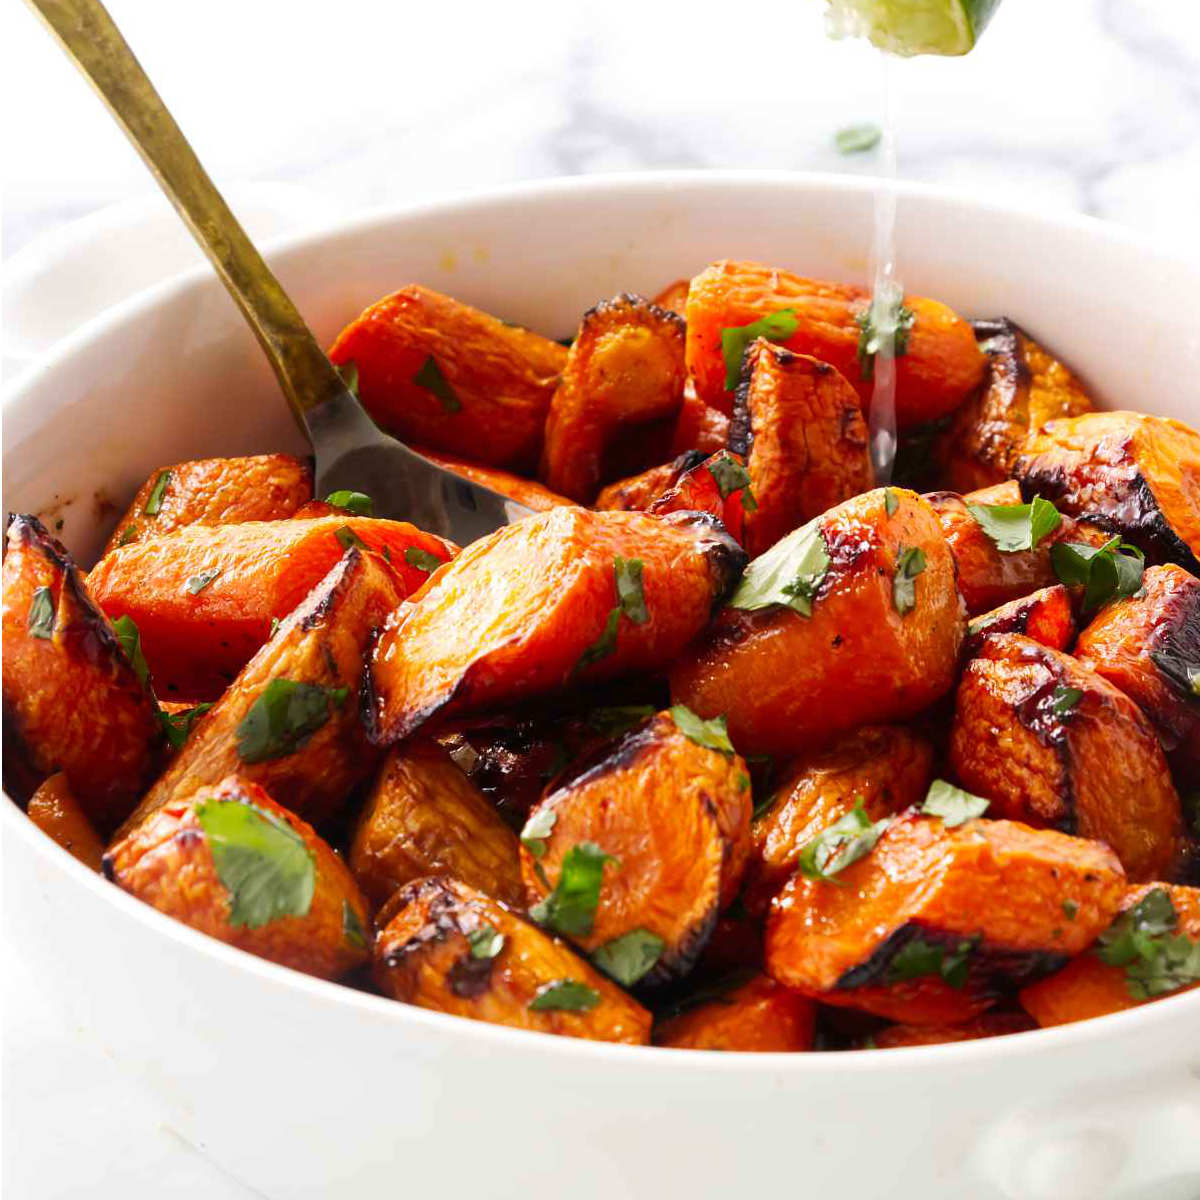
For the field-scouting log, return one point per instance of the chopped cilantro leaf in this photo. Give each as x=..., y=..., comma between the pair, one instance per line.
x=155, y=499
x=570, y=909
x=712, y=734
x=423, y=560
x=840, y=844
x=1063, y=699
x=630, y=595
x=178, y=726
x=1016, y=527
x=856, y=139
x=537, y=829
x=358, y=503
x=569, y=995
x=910, y=562
x=430, y=377
x=284, y=717
x=40, y=622
x=485, y=942
x=131, y=645
x=952, y=804
x=789, y=573
x=604, y=645
x=882, y=314
x=349, y=539
x=352, y=927
x=629, y=957
x=1105, y=573
x=775, y=327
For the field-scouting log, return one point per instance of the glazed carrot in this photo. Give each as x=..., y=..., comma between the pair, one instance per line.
x=638, y=492
x=719, y=486
x=215, y=491
x=54, y=809
x=232, y=863
x=1045, y=616
x=854, y=618
x=885, y=768
x=798, y=424
x=290, y=720
x=524, y=491
x=73, y=700
x=942, y=364
x=1090, y=987
x=625, y=368
x=452, y=949
x=1050, y=742
x=757, y=1016
x=425, y=817
x=445, y=375
x=205, y=598
x=698, y=426
x=659, y=829
x=674, y=297
x=1148, y=645
x=1127, y=472
x=986, y=1025
x=563, y=598
x=1024, y=387
x=935, y=924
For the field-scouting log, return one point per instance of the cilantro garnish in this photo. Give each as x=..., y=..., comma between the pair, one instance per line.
x=358, y=503
x=349, y=539
x=730, y=476
x=855, y=139
x=712, y=734
x=604, y=645
x=630, y=956
x=789, y=573
x=1141, y=941
x=485, y=942
x=568, y=995
x=775, y=327
x=910, y=562
x=537, y=829
x=630, y=595
x=1063, y=699
x=918, y=957
x=1016, y=527
x=130, y=641
x=352, y=927
x=41, y=614
x=127, y=535
x=178, y=726
x=891, y=501
x=1107, y=573
x=883, y=313
x=155, y=499
x=952, y=804
x=570, y=909
x=423, y=560
x=430, y=377
x=840, y=844
x=284, y=717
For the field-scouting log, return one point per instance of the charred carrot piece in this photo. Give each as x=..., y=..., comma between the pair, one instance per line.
x=798, y=425
x=720, y=486
x=74, y=701
x=54, y=809
x=445, y=375
x=885, y=768
x=1117, y=974
x=205, y=598
x=563, y=598
x=215, y=491
x=1045, y=616
x=231, y=862
x=941, y=365
x=290, y=722
x=425, y=817
x=638, y=492
x=854, y=618
x=524, y=491
x=1127, y=472
x=1148, y=645
x=658, y=832
x=986, y=1025
x=625, y=368
x=674, y=296
x=757, y=1016
x=1024, y=387
x=1050, y=742
x=698, y=426
x=450, y=948
x=935, y=924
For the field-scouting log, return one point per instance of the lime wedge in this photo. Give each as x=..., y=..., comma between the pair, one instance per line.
x=910, y=27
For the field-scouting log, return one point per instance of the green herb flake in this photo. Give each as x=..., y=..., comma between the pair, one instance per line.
x=1106, y=573
x=41, y=614
x=613, y=719
x=857, y=139
x=604, y=645
x=349, y=539
x=177, y=727
x=352, y=927
x=729, y=475
x=422, y=560
x=275, y=623
x=742, y=781
x=198, y=583
x=485, y=942
x=1070, y=909
x=891, y=501
x=952, y=804
x=262, y=862
x=537, y=829
x=630, y=956
x=630, y=595
x=775, y=327
x=712, y=734
x=570, y=909
x=284, y=717
x=840, y=844
x=1142, y=941
x=349, y=373
x=873, y=321
x=1063, y=699
x=127, y=535
x=910, y=562
x=918, y=957
x=430, y=377
x=358, y=503
x=130, y=641
x=567, y=995
x=1017, y=527
x=789, y=573
x=154, y=502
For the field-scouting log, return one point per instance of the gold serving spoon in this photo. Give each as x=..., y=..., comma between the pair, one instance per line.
x=351, y=452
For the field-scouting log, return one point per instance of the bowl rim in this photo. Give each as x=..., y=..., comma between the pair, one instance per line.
x=1137, y=1021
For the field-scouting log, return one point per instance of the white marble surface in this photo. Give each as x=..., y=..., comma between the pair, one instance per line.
x=1088, y=105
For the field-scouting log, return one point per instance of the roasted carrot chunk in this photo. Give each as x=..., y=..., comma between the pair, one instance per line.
x=941, y=365
x=625, y=368
x=1051, y=743
x=205, y=599
x=1151, y=950
x=632, y=856
x=232, y=863
x=854, y=618
x=1025, y=386
x=290, y=720
x=455, y=950
x=674, y=296
x=757, y=1016
x=425, y=817
x=885, y=768
x=935, y=924
x=1128, y=472
x=54, y=809
x=524, y=491
x=73, y=701
x=445, y=375
x=1148, y=645
x=798, y=424
x=719, y=486
x=562, y=598
x=698, y=426
x=1045, y=616
x=986, y=1025
x=215, y=491
x=638, y=492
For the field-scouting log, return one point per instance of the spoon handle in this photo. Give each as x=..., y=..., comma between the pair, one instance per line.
x=90, y=37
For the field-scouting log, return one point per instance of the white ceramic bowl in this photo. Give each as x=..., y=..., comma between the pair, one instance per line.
x=303, y=1088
